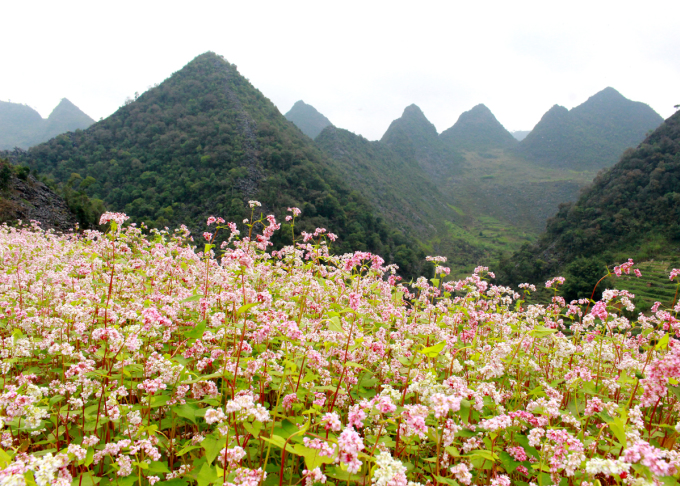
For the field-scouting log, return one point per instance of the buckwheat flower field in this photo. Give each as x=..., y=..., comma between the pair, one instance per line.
x=135, y=358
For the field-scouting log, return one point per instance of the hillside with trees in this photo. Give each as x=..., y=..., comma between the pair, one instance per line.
x=630, y=210
x=416, y=138
x=478, y=130
x=21, y=126
x=204, y=142
x=590, y=136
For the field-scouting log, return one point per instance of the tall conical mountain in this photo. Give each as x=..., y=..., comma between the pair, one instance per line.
x=307, y=119
x=633, y=207
x=592, y=135
x=415, y=137
x=66, y=117
x=477, y=130
x=204, y=142
x=21, y=126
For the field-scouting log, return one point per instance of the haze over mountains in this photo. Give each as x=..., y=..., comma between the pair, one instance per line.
x=21, y=126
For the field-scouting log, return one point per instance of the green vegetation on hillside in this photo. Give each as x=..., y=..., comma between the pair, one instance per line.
x=592, y=135
x=203, y=143
x=631, y=210
x=414, y=137
x=478, y=130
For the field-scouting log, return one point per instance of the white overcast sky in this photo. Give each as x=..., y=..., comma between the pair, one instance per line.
x=360, y=63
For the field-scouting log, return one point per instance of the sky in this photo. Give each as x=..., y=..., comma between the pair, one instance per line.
x=360, y=63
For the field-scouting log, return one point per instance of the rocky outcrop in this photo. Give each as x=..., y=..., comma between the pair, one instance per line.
x=29, y=199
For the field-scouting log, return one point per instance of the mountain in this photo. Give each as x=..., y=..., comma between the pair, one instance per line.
x=395, y=185
x=204, y=142
x=630, y=210
x=66, y=117
x=413, y=136
x=520, y=134
x=18, y=124
x=307, y=119
x=23, y=197
x=590, y=136
x=21, y=126
x=478, y=130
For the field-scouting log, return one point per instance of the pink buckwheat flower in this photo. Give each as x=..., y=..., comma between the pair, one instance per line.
x=350, y=444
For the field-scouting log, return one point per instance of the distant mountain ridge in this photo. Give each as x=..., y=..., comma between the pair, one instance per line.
x=633, y=207
x=414, y=136
x=21, y=126
x=590, y=136
x=478, y=130
x=307, y=119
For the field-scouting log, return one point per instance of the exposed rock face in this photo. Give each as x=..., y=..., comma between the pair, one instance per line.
x=30, y=199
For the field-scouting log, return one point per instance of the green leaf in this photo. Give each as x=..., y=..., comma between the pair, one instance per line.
x=675, y=390
x=663, y=342
x=159, y=467
x=245, y=307
x=311, y=456
x=541, y=332
x=434, y=351
x=334, y=324
x=88, y=479
x=187, y=449
x=253, y=428
x=158, y=400
x=89, y=457
x=277, y=440
x=193, y=298
x=508, y=462
x=484, y=454
x=337, y=473
x=443, y=480
x=206, y=475
x=212, y=447
x=197, y=331
x=174, y=482
x=185, y=411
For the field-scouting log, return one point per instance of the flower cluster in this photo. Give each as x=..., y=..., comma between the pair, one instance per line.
x=137, y=357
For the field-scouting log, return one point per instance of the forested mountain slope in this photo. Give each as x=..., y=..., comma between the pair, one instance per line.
x=416, y=138
x=590, y=136
x=203, y=143
x=633, y=208
x=478, y=130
